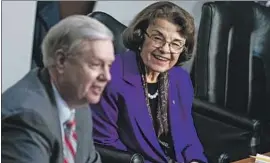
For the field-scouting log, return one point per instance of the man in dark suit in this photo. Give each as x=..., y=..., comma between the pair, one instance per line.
x=46, y=116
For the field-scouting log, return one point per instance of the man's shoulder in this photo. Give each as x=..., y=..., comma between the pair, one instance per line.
x=20, y=89
x=28, y=104
x=27, y=93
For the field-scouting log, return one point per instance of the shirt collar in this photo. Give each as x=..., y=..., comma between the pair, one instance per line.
x=65, y=112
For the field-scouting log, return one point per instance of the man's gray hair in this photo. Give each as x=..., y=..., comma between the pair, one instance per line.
x=68, y=34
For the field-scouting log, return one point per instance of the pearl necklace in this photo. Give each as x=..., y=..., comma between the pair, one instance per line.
x=152, y=96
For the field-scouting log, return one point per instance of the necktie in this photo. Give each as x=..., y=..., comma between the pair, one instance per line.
x=70, y=140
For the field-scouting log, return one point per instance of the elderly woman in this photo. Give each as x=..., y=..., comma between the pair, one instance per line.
x=146, y=108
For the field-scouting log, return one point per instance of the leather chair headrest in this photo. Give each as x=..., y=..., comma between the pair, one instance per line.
x=115, y=26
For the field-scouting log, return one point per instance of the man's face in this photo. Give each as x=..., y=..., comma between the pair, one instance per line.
x=86, y=74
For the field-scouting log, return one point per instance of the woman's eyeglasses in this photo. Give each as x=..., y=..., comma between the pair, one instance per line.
x=160, y=41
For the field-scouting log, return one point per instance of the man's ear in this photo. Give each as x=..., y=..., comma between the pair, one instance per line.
x=60, y=60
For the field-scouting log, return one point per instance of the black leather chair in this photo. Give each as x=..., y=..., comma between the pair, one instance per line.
x=110, y=155
x=115, y=26
x=231, y=106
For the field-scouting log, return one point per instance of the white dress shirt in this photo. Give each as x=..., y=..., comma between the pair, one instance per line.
x=63, y=109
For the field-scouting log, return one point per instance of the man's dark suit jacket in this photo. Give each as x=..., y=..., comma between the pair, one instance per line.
x=31, y=130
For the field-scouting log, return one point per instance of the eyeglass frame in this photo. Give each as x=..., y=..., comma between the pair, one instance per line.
x=163, y=43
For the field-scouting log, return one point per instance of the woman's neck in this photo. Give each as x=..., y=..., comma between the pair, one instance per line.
x=151, y=76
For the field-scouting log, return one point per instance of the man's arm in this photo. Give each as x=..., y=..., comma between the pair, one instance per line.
x=25, y=139
x=94, y=155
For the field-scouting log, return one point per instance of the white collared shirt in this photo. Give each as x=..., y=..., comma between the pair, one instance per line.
x=65, y=112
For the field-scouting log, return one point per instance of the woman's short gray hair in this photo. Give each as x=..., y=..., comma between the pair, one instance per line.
x=68, y=34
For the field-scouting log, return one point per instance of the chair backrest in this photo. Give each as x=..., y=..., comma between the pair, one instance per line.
x=232, y=63
x=47, y=15
x=115, y=26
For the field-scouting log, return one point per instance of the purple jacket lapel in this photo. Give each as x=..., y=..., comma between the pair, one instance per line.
x=176, y=118
x=133, y=77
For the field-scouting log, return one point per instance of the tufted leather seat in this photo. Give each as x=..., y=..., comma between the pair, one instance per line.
x=231, y=76
x=115, y=26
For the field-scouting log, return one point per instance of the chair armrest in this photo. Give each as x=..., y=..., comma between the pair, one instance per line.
x=211, y=110
x=111, y=155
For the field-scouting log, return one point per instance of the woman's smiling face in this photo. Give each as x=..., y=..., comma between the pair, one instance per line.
x=162, y=46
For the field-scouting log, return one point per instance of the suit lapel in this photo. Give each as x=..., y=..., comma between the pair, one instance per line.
x=145, y=124
x=175, y=116
x=55, y=123
x=132, y=76
x=79, y=130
